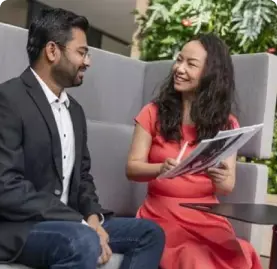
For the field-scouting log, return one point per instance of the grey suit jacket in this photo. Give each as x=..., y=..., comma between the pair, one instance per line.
x=31, y=165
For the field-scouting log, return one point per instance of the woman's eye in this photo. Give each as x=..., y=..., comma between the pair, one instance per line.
x=191, y=64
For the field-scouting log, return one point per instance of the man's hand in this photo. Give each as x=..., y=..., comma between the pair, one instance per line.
x=94, y=223
x=104, y=242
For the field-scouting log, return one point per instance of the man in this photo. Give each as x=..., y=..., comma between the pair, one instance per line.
x=49, y=212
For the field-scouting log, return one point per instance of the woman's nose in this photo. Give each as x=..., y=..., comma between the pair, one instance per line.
x=181, y=68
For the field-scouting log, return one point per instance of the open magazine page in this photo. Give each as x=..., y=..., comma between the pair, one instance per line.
x=233, y=147
x=201, y=153
x=238, y=130
x=211, y=152
x=230, y=147
x=211, y=157
x=184, y=162
x=210, y=149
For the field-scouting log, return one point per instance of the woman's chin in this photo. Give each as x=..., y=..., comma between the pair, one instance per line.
x=181, y=89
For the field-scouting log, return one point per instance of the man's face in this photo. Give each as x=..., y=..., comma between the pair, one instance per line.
x=70, y=67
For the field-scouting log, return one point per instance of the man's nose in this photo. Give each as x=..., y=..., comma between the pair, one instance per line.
x=87, y=61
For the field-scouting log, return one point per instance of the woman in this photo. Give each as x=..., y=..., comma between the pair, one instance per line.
x=193, y=105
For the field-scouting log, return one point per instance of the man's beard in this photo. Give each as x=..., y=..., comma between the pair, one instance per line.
x=66, y=74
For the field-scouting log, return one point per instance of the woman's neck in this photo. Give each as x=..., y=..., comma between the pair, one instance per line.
x=187, y=103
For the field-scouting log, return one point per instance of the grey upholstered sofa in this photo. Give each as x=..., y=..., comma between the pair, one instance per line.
x=114, y=91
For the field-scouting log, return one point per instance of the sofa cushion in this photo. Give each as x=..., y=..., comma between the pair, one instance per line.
x=114, y=262
x=108, y=144
x=13, y=266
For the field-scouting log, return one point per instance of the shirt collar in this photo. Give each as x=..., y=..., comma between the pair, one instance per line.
x=51, y=97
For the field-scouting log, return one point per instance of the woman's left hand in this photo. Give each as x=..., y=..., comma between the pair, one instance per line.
x=220, y=173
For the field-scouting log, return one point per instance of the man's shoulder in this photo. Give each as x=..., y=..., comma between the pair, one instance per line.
x=11, y=87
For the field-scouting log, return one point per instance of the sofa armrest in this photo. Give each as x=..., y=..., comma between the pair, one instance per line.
x=250, y=187
x=251, y=184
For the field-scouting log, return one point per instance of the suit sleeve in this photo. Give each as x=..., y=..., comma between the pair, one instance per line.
x=19, y=200
x=88, y=199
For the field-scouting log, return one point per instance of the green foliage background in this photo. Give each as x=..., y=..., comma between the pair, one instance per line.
x=246, y=27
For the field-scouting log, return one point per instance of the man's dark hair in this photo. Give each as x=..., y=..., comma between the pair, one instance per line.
x=52, y=24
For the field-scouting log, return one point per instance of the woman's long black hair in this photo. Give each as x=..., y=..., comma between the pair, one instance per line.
x=214, y=97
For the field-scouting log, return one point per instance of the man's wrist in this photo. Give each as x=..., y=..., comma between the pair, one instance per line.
x=101, y=218
x=95, y=220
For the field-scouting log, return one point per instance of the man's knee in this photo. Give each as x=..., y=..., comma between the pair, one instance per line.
x=66, y=244
x=85, y=243
x=77, y=246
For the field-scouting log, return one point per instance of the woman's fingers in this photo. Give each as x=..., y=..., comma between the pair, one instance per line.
x=218, y=171
x=172, y=162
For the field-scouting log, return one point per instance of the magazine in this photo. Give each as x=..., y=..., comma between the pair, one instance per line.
x=210, y=152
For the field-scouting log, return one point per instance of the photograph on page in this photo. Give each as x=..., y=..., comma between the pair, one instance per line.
x=211, y=152
x=202, y=154
x=216, y=157
x=229, y=150
x=211, y=155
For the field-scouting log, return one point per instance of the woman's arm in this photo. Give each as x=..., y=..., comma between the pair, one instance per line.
x=224, y=176
x=138, y=168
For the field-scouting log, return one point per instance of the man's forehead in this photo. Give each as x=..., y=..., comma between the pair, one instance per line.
x=79, y=38
x=78, y=34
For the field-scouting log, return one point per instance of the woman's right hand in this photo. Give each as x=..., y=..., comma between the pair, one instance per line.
x=168, y=164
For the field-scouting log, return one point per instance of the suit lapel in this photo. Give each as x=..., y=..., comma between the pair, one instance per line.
x=77, y=127
x=35, y=91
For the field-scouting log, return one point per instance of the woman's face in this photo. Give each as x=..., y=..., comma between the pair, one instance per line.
x=189, y=66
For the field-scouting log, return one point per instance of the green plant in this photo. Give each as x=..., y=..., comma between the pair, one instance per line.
x=245, y=26
x=271, y=163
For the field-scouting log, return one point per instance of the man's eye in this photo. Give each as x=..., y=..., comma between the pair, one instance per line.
x=82, y=53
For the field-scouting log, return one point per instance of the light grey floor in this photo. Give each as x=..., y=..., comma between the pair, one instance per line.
x=265, y=263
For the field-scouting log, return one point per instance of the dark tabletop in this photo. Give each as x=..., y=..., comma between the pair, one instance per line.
x=252, y=213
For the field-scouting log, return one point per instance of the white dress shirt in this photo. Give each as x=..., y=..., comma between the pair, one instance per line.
x=63, y=120
x=65, y=128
